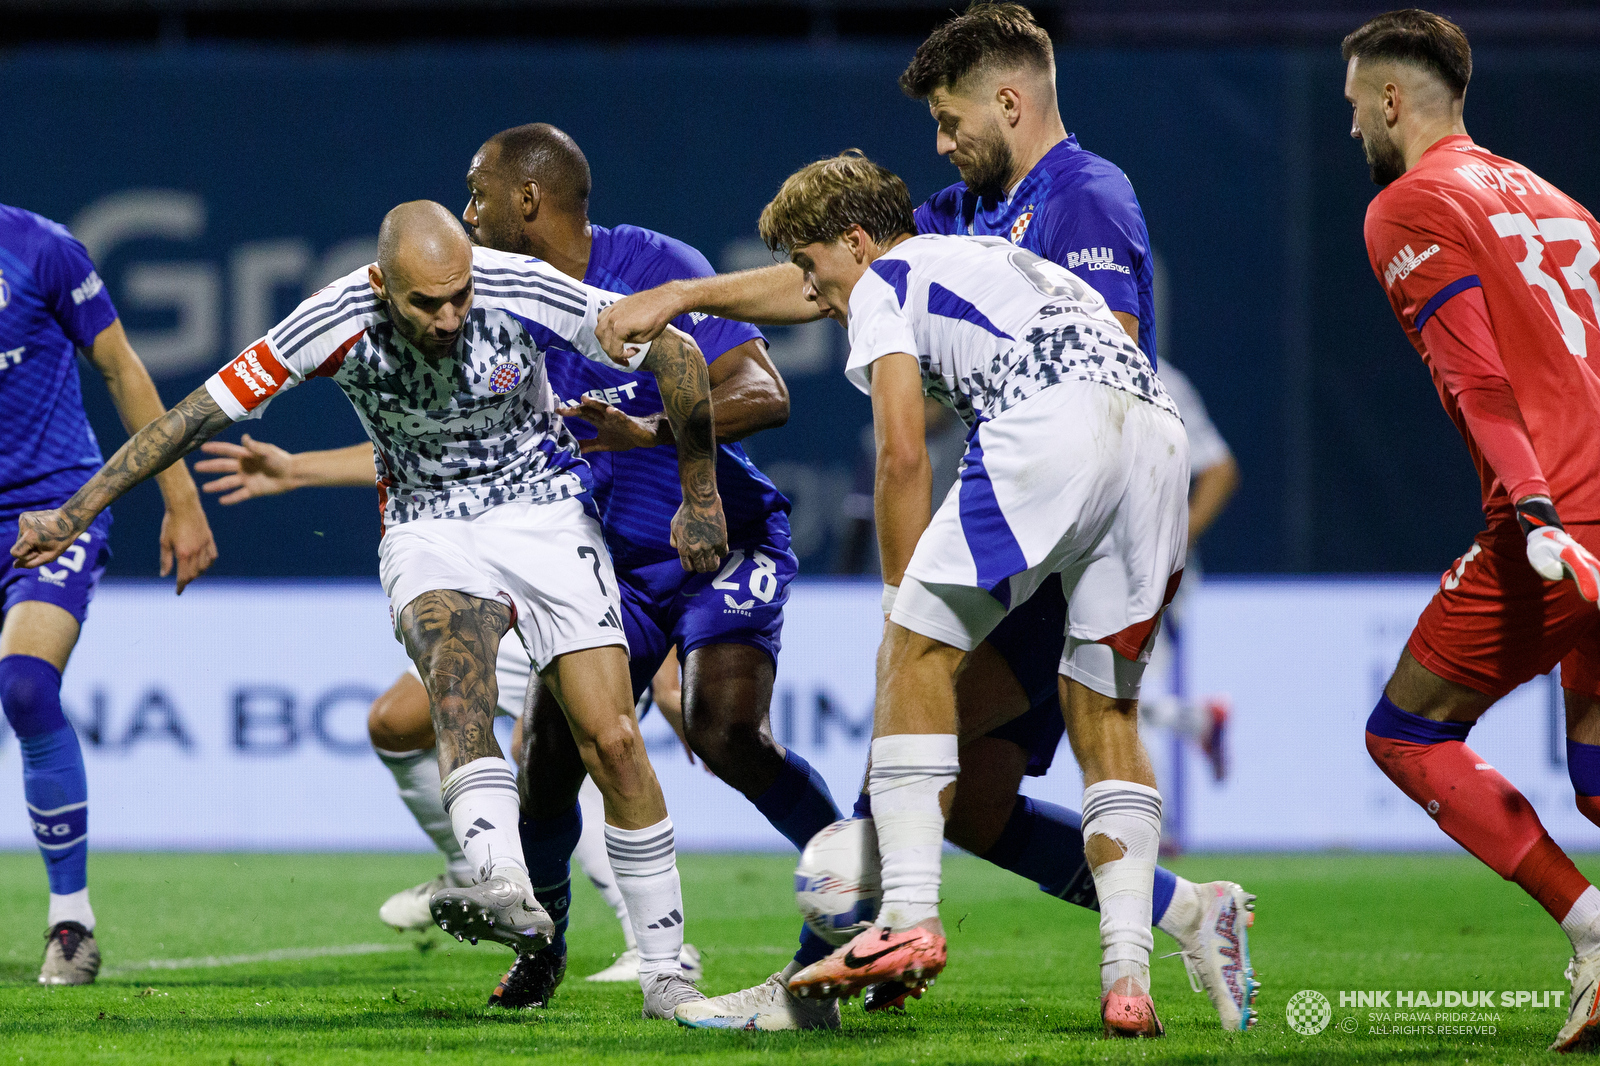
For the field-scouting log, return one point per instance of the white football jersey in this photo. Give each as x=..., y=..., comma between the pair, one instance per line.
x=992, y=324
x=456, y=435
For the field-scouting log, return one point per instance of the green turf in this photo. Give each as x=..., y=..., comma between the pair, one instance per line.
x=1021, y=986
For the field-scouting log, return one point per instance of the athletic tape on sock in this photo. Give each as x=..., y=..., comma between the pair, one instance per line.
x=908, y=772
x=1128, y=814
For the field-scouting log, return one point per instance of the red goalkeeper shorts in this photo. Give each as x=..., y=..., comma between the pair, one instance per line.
x=1495, y=624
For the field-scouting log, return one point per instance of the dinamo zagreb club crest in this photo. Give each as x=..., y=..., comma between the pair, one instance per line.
x=1020, y=226
x=5, y=291
x=503, y=377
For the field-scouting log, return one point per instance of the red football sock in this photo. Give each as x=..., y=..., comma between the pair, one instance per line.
x=1476, y=806
x=1590, y=806
x=1548, y=876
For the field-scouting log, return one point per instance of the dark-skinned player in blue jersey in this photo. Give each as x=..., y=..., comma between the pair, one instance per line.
x=988, y=77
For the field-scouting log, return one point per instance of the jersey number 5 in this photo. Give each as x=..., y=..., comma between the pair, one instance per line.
x=1579, y=274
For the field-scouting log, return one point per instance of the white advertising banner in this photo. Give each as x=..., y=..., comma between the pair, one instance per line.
x=235, y=717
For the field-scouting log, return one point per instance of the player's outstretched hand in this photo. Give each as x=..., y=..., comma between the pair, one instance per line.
x=1552, y=551
x=618, y=431
x=700, y=533
x=638, y=318
x=251, y=469
x=186, y=541
x=41, y=537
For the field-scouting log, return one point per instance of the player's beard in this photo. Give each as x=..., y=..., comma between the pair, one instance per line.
x=987, y=170
x=503, y=239
x=1384, y=158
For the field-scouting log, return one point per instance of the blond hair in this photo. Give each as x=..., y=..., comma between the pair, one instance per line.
x=821, y=201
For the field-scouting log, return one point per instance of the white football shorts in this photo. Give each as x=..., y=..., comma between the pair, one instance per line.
x=1081, y=480
x=512, y=672
x=547, y=561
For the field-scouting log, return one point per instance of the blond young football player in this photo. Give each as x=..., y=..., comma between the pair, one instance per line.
x=440, y=348
x=1064, y=408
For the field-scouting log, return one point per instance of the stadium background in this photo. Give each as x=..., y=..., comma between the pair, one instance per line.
x=223, y=160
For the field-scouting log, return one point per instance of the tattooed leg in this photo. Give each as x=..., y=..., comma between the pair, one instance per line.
x=453, y=638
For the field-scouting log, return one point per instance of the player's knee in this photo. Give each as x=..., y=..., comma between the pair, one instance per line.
x=400, y=719
x=30, y=692
x=721, y=742
x=618, y=750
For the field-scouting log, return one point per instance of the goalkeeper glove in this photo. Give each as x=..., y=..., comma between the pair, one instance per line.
x=1552, y=552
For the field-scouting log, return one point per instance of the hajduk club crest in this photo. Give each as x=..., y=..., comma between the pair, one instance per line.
x=503, y=377
x=1020, y=226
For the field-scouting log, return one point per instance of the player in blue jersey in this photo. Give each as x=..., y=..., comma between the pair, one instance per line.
x=989, y=78
x=529, y=191
x=52, y=303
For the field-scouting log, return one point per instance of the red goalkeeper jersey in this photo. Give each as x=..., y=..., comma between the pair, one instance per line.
x=1464, y=219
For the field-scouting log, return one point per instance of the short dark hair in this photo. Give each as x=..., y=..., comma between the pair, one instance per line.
x=1002, y=35
x=541, y=153
x=821, y=201
x=1420, y=38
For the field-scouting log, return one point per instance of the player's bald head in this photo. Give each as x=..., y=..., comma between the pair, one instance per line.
x=421, y=243
x=546, y=156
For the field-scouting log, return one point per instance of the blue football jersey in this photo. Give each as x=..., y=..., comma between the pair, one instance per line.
x=1076, y=210
x=637, y=491
x=51, y=303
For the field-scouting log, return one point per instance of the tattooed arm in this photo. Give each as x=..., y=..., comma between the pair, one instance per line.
x=699, y=531
x=43, y=535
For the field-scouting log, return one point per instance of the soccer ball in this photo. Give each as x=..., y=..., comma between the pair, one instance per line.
x=837, y=882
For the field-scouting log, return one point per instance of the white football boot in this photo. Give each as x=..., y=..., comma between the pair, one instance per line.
x=71, y=957
x=407, y=909
x=1582, y=1031
x=499, y=909
x=769, y=1006
x=667, y=992
x=626, y=966
x=1216, y=952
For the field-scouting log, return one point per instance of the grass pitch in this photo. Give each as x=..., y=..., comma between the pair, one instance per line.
x=250, y=976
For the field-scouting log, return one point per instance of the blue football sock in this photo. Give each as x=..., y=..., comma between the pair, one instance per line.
x=812, y=947
x=1044, y=843
x=863, y=807
x=53, y=781
x=798, y=804
x=547, y=845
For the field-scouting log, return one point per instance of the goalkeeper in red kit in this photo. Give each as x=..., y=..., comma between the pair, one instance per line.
x=1491, y=272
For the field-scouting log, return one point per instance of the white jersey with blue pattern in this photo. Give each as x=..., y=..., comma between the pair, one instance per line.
x=992, y=324
x=457, y=434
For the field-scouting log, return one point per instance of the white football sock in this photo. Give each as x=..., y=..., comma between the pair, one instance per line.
x=909, y=770
x=1184, y=912
x=417, y=775
x=1582, y=923
x=645, y=862
x=1130, y=815
x=484, y=807
x=74, y=907
x=590, y=855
